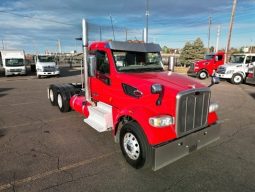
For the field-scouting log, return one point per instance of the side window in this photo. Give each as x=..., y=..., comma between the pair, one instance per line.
x=102, y=62
x=220, y=57
x=253, y=59
x=248, y=59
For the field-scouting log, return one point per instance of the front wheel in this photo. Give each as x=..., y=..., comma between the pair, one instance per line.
x=202, y=74
x=134, y=145
x=237, y=79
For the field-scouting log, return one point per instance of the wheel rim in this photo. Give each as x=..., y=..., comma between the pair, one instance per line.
x=51, y=95
x=202, y=75
x=60, y=102
x=237, y=79
x=131, y=146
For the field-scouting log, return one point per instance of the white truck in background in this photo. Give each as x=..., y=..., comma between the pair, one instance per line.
x=13, y=62
x=46, y=66
x=237, y=68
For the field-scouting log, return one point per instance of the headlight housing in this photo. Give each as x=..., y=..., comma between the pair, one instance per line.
x=39, y=70
x=213, y=107
x=161, y=121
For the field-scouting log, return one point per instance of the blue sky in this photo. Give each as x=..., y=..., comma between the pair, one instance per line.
x=35, y=26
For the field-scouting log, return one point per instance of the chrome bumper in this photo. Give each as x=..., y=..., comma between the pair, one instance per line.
x=172, y=151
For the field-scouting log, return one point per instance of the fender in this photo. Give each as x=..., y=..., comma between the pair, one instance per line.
x=141, y=115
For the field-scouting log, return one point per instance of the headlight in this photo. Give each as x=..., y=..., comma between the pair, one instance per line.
x=161, y=121
x=213, y=107
x=230, y=71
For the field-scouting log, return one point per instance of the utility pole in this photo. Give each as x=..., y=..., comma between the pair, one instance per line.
x=112, y=29
x=126, y=31
x=209, y=32
x=3, y=43
x=147, y=21
x=218, y=39
x=59, y=47
x=100, y=33
x=230, y=30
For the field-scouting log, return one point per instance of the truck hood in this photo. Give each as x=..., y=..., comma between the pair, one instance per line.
x=202, y=62
x=169, y=80
x=232, y=65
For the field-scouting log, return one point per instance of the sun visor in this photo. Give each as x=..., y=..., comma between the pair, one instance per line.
x=136, y=47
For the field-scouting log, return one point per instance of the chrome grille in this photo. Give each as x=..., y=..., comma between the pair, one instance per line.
x=191, y=66
x=48, y=69
x=192, y=110
x=221, y=70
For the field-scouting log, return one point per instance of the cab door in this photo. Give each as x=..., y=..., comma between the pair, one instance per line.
x=100, y=85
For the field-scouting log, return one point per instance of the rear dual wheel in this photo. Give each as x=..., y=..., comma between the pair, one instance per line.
x=59, y=95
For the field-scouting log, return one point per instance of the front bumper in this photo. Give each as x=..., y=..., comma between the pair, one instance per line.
x=174, y=150
x=250, y=80
x=224, y=76
x=48, y=73
x=7, y=73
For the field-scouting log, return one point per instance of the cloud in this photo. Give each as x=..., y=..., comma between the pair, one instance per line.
x=46, y=21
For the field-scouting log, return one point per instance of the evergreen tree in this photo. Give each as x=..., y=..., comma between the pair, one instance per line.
x=192, y=51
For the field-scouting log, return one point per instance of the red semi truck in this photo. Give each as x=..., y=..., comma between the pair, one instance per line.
x=157, y=116
x=204, y=68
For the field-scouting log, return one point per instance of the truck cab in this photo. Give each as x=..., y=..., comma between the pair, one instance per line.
x=156, y=116
x=13, y=62
x=236, y=70
x=205, y=68
x=46, y=66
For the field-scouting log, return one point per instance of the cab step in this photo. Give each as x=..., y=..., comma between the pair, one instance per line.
x=100, y=117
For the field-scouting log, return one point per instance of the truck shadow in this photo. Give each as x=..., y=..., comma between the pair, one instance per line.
x=252, y=95
x=3, y=90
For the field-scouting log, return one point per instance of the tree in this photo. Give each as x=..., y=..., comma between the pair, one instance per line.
x=165, y=49
x=192, y=51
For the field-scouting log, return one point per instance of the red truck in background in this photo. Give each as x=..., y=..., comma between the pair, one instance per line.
x=156, y=116
x=205, y=68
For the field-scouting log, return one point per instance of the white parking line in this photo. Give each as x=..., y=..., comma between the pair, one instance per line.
x=49, y=173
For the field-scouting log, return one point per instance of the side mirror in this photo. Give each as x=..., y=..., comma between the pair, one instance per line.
x=216, y=58
x=92, y=61
x=214, y=80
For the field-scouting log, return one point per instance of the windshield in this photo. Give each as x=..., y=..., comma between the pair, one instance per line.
x=209, y=57
x=237, y=58
x=46, y=58
x=137, y=61
x=14, y=62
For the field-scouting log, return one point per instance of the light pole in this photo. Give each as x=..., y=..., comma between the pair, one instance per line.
x=147, y=21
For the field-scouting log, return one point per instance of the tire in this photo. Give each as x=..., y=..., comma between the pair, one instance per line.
x=52, y=94
x=62, y=101
x=64, y=93
x=202, y=75
x=237, y=79
x=39, y=76
x=134, y=146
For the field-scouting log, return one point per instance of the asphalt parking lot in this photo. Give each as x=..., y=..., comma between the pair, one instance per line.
x=42, y=149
